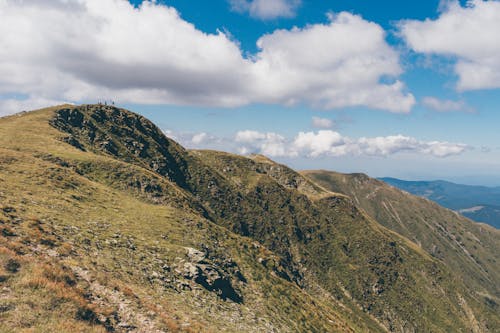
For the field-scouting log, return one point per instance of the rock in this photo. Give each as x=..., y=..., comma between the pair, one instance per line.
x=214, y=280
x=12, y=266
x=195, y=255
x=190, y=270
x=7, y=232
x=209, y=276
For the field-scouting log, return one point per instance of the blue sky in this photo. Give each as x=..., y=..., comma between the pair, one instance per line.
x=408, y=89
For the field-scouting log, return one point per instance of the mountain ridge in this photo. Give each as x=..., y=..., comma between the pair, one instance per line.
x=218, y=241
x=418, y=219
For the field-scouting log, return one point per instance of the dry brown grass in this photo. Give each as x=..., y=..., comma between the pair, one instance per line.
x=6, y=252
x=65, y=249
x=58, y=281
x=123, y=288
x=58, y=285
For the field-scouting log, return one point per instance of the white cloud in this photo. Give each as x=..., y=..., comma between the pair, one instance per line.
x=322, y=122
x=12, y=105
x=204, y=140
x=95, y=49
x=331, y=143
x=195, y=140
x=441, y=105
x=334, y=65
x=389, y=145
x=441, y=149
x=199, y=138
x=266, y=9
x=323, y=142
x=270, y=143
x=85, y=50
x=249, y=136
x=470, y=34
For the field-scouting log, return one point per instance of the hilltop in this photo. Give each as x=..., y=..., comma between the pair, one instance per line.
x=108, y=225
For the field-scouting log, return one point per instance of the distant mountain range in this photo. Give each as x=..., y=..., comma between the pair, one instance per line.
x=479, y=203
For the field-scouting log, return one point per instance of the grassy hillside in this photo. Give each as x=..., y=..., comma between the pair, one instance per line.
x=346, y=249
x=90, y=243
x=108, y=225
x=468, y=248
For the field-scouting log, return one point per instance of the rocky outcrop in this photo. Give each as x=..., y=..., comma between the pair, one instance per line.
x=215, y=277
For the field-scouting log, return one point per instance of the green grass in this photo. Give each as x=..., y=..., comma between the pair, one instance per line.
x=469, y=249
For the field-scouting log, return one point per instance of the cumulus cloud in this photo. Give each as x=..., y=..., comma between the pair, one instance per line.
x=316, y=144
x=85, y=50
x=249, y=136
x=389, y=145
x=469, y=34
x=266, y=9
x=201, y=140
x=322, y=143
x=270, y=143
x=330, y=143
x=322, y=122
x=445, y=105
x=91, y=49
x=332, y=65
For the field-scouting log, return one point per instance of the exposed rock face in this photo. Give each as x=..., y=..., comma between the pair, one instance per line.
x=123, y=134
x=212, y=276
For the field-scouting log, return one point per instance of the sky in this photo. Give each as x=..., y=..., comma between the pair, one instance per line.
x=407, y=89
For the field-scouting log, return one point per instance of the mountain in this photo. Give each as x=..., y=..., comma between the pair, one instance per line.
x=479, y=203
x=463, y=245
x=107, y=225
